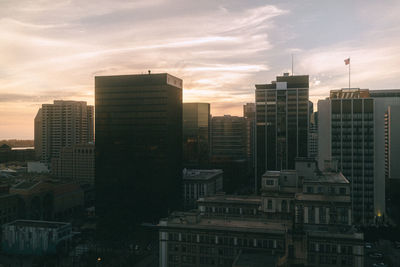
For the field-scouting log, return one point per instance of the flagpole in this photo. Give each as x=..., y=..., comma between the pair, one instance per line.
x=349, y=71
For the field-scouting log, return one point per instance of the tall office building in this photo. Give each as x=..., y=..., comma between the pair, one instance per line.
x=249, y=112
x=282, y=117
x=38, y=124
x=228, y=138
x=138, y=160
x=392, y=156
x=346, y=134
x=196, y=134
x=61, y=124
x=313, y=136
x=382, y=100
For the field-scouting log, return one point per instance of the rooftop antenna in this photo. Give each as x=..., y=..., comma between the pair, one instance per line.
x=292, y=65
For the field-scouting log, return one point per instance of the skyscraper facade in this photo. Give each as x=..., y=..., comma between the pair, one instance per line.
x=282, y=120
x=138, y=151
x=38, y=124
x=392, y=155
x=196, y=134
x=228, y=138
x=346, y=134
x=249, y=112
x=313, y=136
x=62, y=124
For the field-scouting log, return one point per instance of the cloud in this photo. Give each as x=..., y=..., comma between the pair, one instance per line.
x=52, y=49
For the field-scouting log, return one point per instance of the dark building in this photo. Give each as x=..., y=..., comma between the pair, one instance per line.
x=228, y=138
x=249, y=112
x=282, y=115
x=346, y=134
x=196, y=134
x=229, y=151
x=138, y=174
x=8, y=153
x=302, y=218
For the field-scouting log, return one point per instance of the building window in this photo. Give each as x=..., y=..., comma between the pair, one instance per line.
x=342, y=191
x=269, y=204
x=269, y=182
x=284, y=206
x=310, y=189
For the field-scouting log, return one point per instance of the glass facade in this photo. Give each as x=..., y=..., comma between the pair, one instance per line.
x=281, y=123
x=353, y=147
x=228, y=138
x=138, y=150
x=196, y=131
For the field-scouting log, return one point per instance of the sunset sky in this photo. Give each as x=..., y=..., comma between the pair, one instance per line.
x=52, y=49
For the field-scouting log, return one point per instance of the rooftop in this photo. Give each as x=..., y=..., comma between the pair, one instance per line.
x=192, y=174
x=232, y=199
x=37, y=224
x=235, y=225
x=26, y=184
x=329, y=177
x=323, y=197
x=255, y=259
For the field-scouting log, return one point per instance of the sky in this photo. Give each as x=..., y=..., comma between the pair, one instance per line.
x=53, y=49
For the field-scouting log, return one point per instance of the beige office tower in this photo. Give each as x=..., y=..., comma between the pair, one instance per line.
x=63, y=124
x=38, y=134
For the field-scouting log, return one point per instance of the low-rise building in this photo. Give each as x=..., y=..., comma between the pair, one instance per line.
x=303, y=217
x=75, y=163
x=25, y=237
x=200, y=183
x=48, y=200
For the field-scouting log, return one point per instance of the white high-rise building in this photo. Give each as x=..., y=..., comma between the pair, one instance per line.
x=352, y=130
x=62, y=124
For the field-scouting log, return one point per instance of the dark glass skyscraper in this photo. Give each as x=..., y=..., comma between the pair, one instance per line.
x=196, y=134
x=138, y=151
x=282, y=123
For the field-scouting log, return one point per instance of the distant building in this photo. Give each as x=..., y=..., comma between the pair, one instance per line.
x=346, y=134
x=228, y=138
x=38, y=134
x=196, y=134
x=48, y=200
x=138, y=151
x=313, y=136
x=75, y=163
x=25, y=237
x=392, y=154
x=282, y=121
x=249, y=112
x=303, y=218
x=200, y=183
x=8, y=153
x=9, y=206
x=352, y=130
x=229, y=151
x=61, y=124
x=37, y=167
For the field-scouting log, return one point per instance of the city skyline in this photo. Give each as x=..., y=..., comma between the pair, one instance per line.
x=53, y=49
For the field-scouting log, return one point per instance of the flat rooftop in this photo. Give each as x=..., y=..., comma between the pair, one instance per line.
x=232, y=199
x=323, y=197
x=25, y=184
x=193, y=174
x=37, y=224
x=231, y=225
x=255, y=259
x=329, y=177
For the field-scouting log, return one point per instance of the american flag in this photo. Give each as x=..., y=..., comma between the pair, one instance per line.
x=347, y=61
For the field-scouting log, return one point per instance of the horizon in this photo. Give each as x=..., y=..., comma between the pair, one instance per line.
x=52, y=50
